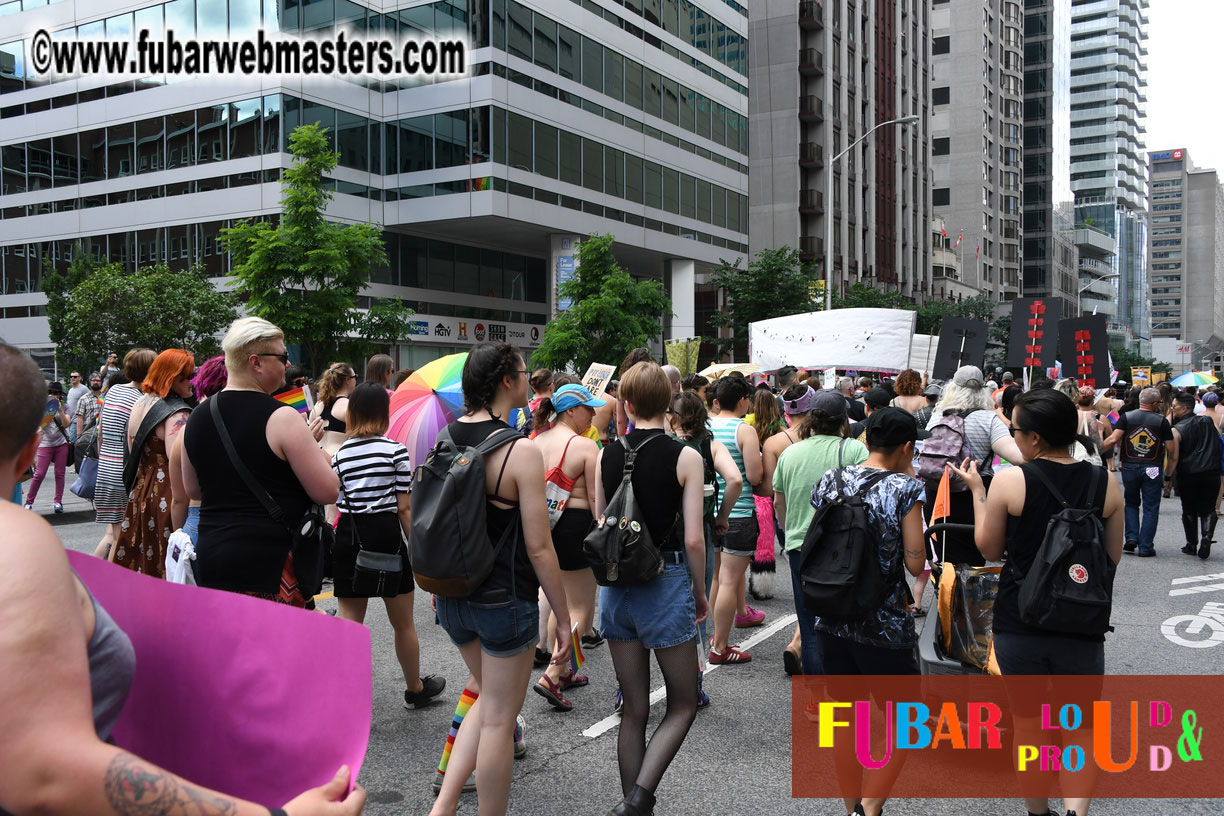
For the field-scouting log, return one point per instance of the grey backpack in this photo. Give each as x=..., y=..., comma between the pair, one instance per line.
x=948, y=444
x=449, y=548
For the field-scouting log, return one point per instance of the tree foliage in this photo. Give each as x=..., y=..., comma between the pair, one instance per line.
x=1124, y=359
x=612, y=314
x=306, y=273
x=96, y=309
x=775, y=283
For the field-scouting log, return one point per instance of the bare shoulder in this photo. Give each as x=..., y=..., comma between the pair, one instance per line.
x=41, y=554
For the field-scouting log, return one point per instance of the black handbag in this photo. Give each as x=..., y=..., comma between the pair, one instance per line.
x=375, y=574
x=312, y=536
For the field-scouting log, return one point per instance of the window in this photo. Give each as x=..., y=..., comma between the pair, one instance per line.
x=592, y=165
x=571, y=157
x=941, y=95
x=940, y=146
x=520, y=141
x=545, y=150
x=941, y=197
x=940, y=45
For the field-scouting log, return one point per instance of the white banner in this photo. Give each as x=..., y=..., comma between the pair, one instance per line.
x=861, y=339
x=922, y=352
x=469, y=331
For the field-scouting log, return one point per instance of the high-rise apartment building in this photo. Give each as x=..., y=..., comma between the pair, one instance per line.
x=976, y=126
x=820, y=81
x=1186, y=251
x=1050, y=260
x=574, y=118
x=1108, y=82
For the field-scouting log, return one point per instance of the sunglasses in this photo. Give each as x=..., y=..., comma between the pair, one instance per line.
x=284, y=358
x=1013, y=430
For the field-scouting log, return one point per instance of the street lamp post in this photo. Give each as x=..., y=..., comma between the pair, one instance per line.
x=903, y=120
x=1079, y=296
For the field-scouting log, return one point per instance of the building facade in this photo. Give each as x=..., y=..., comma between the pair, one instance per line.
x=1186, y=251
x=574, y=118
x=1050, y=260
x=820, y=81
x=1108, y=173
x=977, y=102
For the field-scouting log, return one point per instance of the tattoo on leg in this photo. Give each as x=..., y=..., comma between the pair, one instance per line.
x=137, y=788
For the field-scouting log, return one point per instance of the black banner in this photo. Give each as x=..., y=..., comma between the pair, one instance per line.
x=1034, y=334
x=961, y=342
x=1085, y=350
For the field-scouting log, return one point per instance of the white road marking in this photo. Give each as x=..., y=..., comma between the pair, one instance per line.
x=608, y=723
x=1194, y=590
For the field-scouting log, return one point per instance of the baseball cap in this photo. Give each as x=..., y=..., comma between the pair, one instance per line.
x=801, y=404
x=893, y=426
x=877, y=398
x=55, y=388
x=933, y=390
x=969, y=377
x=831, y=402
x=569, y=396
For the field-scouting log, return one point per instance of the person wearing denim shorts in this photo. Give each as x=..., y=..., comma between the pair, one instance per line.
x=658, y=615
x=738, y=545
x=495, y=627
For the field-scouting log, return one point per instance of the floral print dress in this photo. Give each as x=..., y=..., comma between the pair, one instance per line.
x=146, y=526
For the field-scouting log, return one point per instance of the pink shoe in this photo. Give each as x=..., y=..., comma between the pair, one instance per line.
x=751, y=617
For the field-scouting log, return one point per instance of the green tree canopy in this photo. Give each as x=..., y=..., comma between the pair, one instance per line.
x=96, y=309
x=775, y=283
x=306, y=273
x=1123, y=359
x=612, y=314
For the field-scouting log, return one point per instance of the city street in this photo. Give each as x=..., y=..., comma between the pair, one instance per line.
x=737, y=756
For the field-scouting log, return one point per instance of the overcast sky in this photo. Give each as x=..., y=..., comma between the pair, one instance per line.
x=1185, y=106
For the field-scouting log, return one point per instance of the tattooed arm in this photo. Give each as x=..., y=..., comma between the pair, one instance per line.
x=51, y=760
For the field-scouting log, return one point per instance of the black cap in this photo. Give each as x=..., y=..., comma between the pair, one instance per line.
x=889, y=426
x=877, y=398
x=55, y=388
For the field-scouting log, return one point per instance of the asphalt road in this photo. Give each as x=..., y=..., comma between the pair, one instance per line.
x=737, y=756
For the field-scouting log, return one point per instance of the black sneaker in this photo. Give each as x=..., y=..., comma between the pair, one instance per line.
x=542, y=658
x=592, y=640
x=1130, y=546
x=1190, y=549
x=1146, y=553
x=431, y=687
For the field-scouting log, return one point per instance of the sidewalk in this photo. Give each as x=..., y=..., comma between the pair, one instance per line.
x=76, y=509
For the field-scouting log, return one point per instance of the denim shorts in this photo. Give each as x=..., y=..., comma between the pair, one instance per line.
x=740, y=538
x=659, y=613
x=505, y=627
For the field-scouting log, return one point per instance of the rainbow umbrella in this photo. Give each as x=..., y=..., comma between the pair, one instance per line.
x=1193, y=378
x=425, y=403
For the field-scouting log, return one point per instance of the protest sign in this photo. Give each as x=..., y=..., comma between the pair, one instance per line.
x=597, y=377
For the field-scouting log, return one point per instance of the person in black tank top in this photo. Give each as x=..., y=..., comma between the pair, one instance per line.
x=658, y=615
x=495, y=627
x=1013, y=519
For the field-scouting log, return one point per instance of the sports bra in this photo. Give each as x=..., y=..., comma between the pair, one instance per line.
x=330, y=423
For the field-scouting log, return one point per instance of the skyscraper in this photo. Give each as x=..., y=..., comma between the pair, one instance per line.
x=818, y=83
x=1108, y=173
x=573, y=118
x=976, y=152
x=1050, y=259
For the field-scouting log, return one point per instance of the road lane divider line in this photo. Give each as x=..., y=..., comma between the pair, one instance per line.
x=611, y=721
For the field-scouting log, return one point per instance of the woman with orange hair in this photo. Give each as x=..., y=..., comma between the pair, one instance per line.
x=153, y=510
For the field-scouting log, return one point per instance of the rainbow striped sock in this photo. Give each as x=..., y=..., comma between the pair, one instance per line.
x=465, y=705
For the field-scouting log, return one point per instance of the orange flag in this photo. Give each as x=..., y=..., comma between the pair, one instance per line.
x=943, y=497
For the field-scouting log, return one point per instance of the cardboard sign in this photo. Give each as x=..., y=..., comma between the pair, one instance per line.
x=1085, y=350
x=1034, y=333
x=961, y=342
x=597, y=377
x=1141, y=375
x=862, y=339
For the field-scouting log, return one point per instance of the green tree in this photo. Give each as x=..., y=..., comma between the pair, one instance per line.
x=932, y=313
x=96, y=309
x=865, y=296
x=306, y=273
x=1124, y=359
x=58, y=287
x=775, y=283
x=612, y=314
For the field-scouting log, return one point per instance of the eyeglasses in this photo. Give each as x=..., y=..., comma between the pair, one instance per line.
x=1013, y=430
x=74, y=376
x=283, y=357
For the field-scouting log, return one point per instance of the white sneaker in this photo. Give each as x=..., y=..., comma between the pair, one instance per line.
x=29, y=506
x=520, y=740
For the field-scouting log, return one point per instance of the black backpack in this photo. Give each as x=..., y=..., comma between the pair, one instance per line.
x=619, y=546
x=839, y=565
x=449, y=548
x=1069, y=587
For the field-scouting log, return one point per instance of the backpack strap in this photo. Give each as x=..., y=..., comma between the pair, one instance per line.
x=270, y=505
x=1030, y=467
x=838, y=484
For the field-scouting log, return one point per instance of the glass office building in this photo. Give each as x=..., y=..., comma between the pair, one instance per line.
x=574, y=118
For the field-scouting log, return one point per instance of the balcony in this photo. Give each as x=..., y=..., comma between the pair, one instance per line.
x=811, y=62
x=811, y=201
x=811, y=248
x=811, y=15
x=811, y=109
x=811, y=155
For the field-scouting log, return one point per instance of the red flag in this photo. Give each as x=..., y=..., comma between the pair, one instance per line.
x=977, y=253
x=959, y=239
x=944, y=231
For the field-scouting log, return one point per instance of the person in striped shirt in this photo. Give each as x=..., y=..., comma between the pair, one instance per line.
x=375, y=479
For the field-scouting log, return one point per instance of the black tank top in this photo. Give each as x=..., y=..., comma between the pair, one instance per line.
x=241, y=548
x=1026, y=531
x=654, y=483
x=330, y=423
x=498, y=519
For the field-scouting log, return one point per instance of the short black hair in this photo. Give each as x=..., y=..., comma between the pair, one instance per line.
x=884, y=450
x=1184, y=400
x=730, y=390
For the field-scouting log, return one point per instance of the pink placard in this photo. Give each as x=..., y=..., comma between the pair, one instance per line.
x=248, y=697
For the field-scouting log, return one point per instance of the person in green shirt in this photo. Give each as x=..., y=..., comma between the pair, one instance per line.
x=822, y=434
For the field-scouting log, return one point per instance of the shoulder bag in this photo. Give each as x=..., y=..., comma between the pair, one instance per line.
x=375, y=574
x=312, y=536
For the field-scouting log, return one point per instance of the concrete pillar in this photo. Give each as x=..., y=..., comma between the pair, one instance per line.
x=562, y=264
x=682, y=283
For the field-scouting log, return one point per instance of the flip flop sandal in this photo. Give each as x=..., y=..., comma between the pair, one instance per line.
x=572, y=680
x=791, y=663
x=551, y=692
